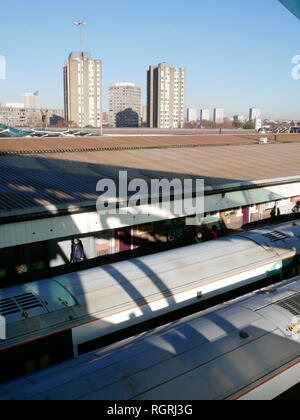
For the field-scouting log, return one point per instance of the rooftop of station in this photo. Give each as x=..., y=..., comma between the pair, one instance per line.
x=27, y=145
x=63, y=173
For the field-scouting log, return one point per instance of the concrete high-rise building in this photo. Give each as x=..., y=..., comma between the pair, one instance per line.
x=83, y=90
x=219, y=115
x=31, y=100
x=204, y=115
x=192, y=114
x=144, y=115
x=254, y=114
x=105, y=121
x=124, y=105
x=258, y=124
x=166, y=96
x=239, y=118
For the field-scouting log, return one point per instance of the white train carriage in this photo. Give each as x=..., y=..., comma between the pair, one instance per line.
x=55, y=319
x=248, y=349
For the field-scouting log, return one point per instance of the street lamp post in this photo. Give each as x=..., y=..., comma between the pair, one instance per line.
x=80, y=25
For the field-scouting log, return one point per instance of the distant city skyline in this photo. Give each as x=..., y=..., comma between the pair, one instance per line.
x=256, y=71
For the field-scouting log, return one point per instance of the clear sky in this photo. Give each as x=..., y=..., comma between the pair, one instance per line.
x=237, y=52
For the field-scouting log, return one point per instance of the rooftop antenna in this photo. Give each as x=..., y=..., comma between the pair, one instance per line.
x=81, y=24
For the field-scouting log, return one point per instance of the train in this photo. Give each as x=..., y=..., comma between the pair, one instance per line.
x=246, y=349
x=49, y=321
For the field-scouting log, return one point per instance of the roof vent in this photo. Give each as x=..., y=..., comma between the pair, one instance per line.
x=276, y=236
x=19, y=304
x=8, y=307
x=291, y=304
x=28, y=301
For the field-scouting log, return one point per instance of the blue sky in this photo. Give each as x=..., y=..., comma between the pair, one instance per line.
x=237, y=52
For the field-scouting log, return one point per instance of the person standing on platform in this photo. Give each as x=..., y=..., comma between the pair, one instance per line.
x=199, y=238
x=77, y=253
x=213, y=233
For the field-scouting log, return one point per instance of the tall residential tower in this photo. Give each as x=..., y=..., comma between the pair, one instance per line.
x=254, y=114
x=124, y=105
x=83, y=90
x=204, y=115
x=218, y=115
x=31, y=100
x=166, y=96
x=192, y=115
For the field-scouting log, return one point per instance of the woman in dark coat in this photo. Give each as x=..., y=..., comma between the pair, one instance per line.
x=77, y=253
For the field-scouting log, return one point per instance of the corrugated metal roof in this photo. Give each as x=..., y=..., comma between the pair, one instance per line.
x=27, y=145
x=62, y=179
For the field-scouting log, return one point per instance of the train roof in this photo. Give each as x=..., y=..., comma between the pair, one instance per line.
x=140, y=282
x=221, y=353
x=275, y=236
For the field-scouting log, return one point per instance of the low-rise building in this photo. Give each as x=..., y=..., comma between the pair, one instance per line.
x=27, y=117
